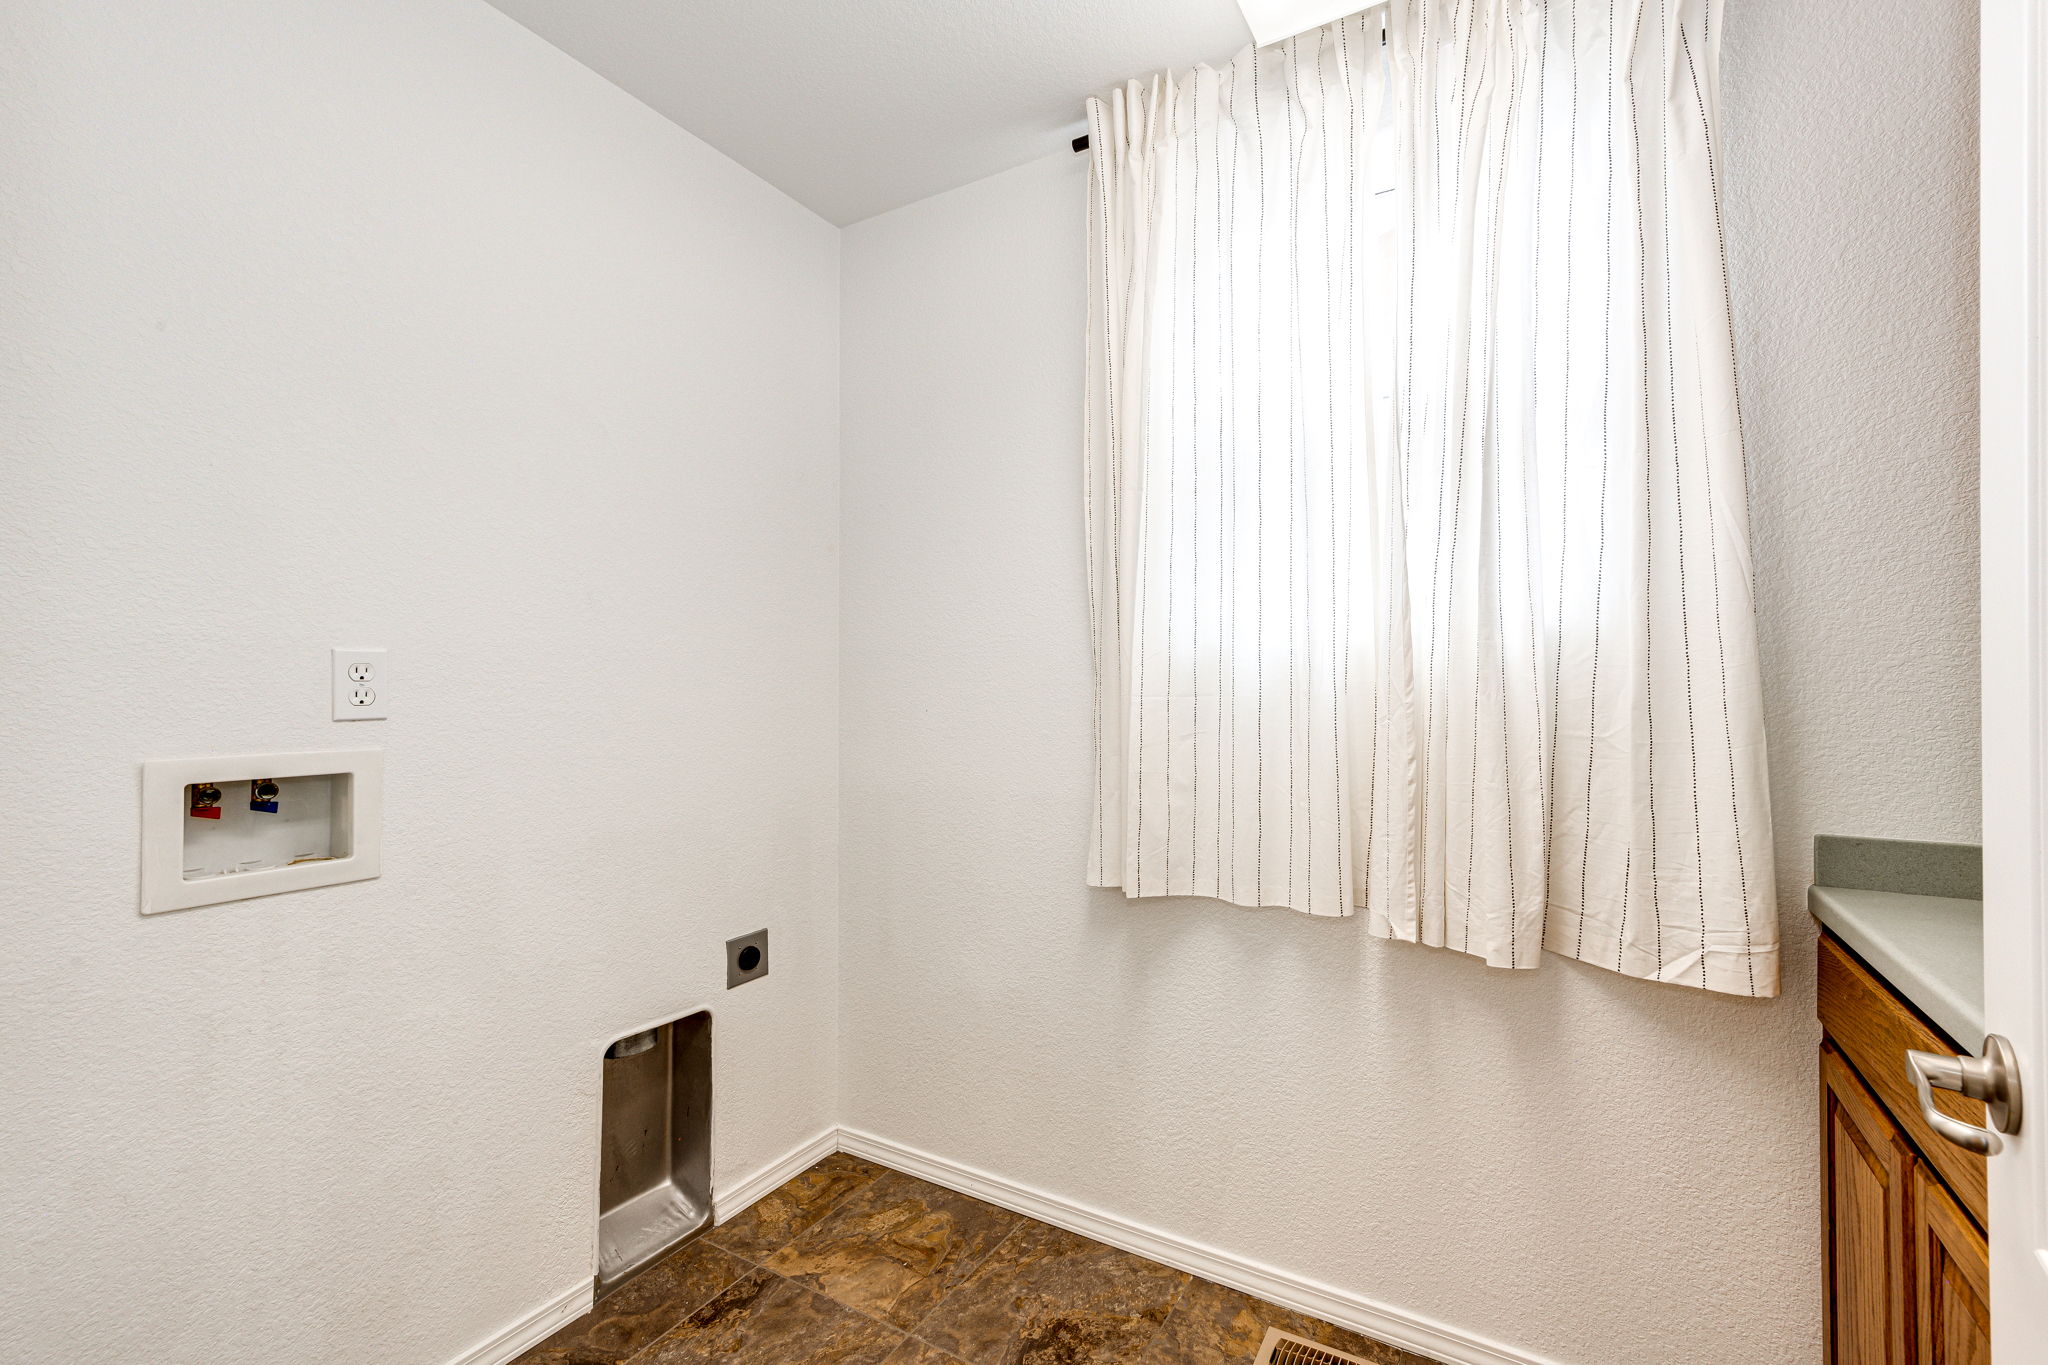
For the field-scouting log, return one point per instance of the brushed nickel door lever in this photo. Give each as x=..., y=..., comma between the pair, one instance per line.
x=1993, y=1078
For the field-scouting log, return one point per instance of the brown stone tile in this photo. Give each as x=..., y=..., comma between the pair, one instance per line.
x=767, y=1320
x=1048, y=1297
x=895, y=1247
x=642, y=1309
x=915, y=1352
x=1211, y=1325
x=780, y=1215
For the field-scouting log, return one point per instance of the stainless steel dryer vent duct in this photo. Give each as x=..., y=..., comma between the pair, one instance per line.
x=654, y=1177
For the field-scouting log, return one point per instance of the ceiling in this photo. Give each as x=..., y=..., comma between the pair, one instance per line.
x=855, y=107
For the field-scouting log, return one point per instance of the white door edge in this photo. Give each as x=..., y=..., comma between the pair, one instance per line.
x=2014, y=566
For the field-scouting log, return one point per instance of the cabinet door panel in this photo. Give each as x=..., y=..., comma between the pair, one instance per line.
x=1866, y=1176
x=1952, y=1274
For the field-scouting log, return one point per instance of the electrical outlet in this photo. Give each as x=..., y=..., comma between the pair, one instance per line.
x=361, y=689
x=746, y=958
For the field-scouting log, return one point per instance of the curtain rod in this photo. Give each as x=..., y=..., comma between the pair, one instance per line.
x=1081, y=142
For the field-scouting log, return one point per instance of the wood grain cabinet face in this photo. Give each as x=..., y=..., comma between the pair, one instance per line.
x=1873, y=1031
x=1867, y=1173
x=1952, y=1279
x=1906, y=1272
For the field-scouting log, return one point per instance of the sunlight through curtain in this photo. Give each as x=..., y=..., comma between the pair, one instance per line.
x=1417, y=512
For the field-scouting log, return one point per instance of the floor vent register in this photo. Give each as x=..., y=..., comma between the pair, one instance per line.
x=1281, y=1348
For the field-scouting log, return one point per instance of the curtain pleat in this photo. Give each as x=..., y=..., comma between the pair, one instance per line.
x=1417, y=515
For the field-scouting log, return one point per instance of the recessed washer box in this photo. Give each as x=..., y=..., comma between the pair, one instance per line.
x=321, y=825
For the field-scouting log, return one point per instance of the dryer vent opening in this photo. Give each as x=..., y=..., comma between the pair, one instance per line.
x=654, y=1152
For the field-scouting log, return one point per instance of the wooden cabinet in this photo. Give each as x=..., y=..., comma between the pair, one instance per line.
x=1874, y=1030
x=1906, y=1270
x=1866, y=1198
x=1952, y=1279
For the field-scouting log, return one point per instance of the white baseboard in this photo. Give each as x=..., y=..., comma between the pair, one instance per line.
x=1409, y=1331
x=534, y=1328
x=742, y=1194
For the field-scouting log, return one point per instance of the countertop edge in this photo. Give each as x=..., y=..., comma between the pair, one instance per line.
x=1929, y=949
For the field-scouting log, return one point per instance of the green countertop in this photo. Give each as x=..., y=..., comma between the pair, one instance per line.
x=1929, y=948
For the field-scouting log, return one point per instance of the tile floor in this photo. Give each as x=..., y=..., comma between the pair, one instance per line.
x=854, y=1264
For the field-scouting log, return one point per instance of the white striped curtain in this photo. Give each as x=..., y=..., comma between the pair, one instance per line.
x=1417, y=513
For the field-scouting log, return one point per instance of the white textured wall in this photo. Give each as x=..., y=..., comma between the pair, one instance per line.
x=1595, y=1169
x=380, y=322
x=1851, y=146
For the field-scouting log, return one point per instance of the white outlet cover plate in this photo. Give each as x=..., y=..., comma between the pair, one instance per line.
x=360, y=685
x=164, y=886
